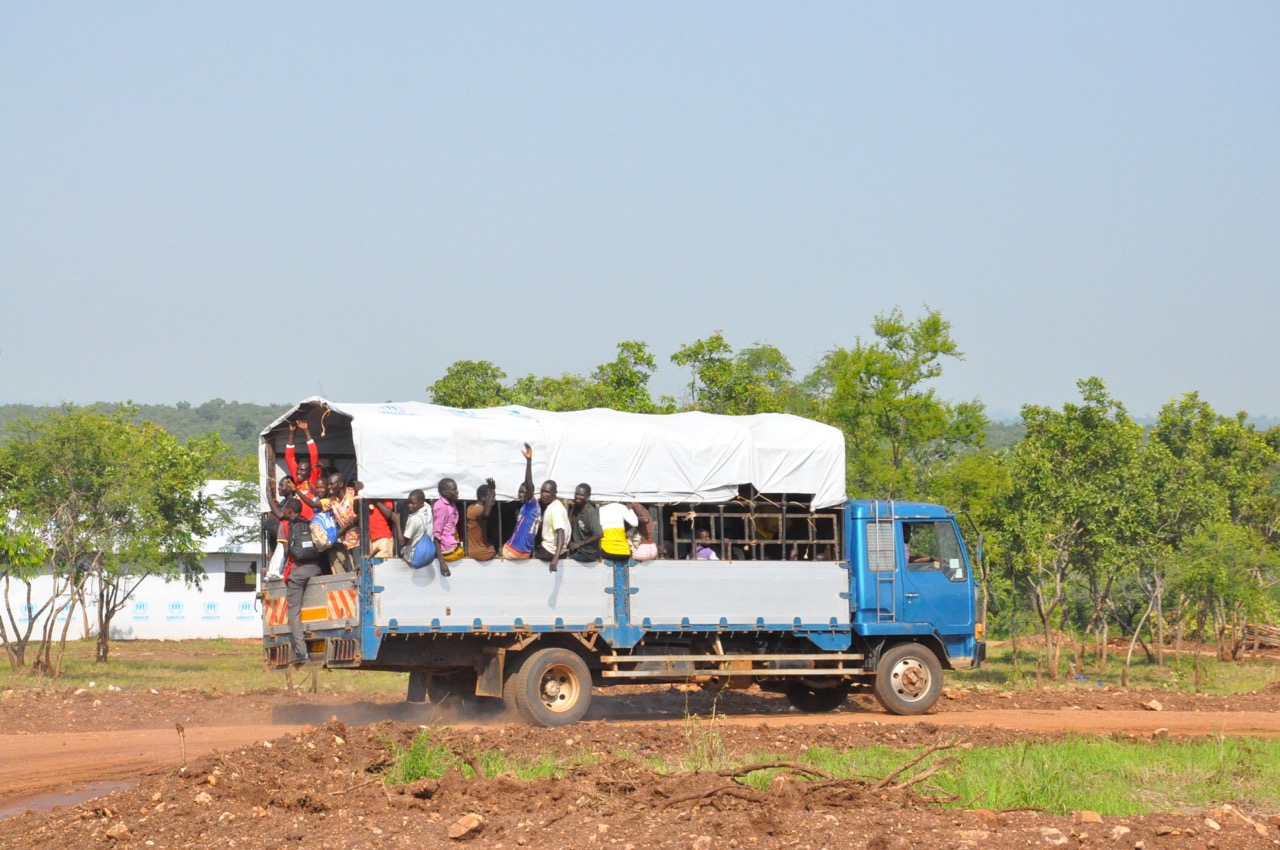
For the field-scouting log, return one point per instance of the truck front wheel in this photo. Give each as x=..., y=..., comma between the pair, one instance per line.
x=552, y=687
x=908, y=679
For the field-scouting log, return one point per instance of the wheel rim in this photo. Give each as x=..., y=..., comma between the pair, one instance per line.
x=559, y=688
x=910, y=679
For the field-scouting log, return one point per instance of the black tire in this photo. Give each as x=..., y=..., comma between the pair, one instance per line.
x=817, y=700
x=552, y=687
x=417, y=691
x=452, y=686
x=908, y=679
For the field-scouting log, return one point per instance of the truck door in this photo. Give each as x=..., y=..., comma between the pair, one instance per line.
x=935, y=583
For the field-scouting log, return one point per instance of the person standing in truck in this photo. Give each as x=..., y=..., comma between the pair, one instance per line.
x=584, y=527
x=555, y=525
x=342, y=503
x=702, y=550
x=304, y=563
x=305, y=473
x=520, y=546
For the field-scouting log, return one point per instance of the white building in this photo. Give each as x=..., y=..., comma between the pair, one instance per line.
x=224, y=606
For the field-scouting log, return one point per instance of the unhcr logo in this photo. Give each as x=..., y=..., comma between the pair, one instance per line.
x=141, y=611
x=211, y=610
x=245, y=611
x=393, y=410
x=175, y=610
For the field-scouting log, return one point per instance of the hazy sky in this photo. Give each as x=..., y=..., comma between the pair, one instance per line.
x=262, y=202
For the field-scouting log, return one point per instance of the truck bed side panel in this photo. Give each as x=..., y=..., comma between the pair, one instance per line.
x=499, y=594
x=739, y=593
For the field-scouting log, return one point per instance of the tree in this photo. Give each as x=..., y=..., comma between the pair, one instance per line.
x=22, y=555
x=567, y=392
x=1075, y=503
x=1225, y=572
x=623, y=383
x=1209, y=470
x=470, y=384
x=754, y=380
x=114, y=501
x=897, y=431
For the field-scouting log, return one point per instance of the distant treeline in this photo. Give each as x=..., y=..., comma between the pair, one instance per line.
x=237, y=423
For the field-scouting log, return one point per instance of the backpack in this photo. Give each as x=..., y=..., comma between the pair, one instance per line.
x=423, y=553
x=324, y=530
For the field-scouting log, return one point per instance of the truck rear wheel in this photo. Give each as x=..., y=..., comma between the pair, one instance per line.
x=552, y=687
x=908, y=679
x=817, y=699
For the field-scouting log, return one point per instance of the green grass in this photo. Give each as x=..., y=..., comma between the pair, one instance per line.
x=1006, y=670
x=428, y=756
x=230, y=666
x=1115, y=777
x=1098, y=774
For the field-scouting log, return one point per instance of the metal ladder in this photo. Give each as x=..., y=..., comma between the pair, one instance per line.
x=881, y=548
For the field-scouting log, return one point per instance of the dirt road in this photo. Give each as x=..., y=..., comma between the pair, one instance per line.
x=38, y=768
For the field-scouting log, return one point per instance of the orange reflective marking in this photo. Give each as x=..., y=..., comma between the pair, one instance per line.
x=342, y=604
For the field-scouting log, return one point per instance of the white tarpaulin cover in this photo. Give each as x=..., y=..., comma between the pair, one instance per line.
x=687, y=457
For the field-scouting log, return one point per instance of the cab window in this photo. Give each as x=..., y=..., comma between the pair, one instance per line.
x=933, y=547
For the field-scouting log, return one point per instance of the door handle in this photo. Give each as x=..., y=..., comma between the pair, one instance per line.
x=911, y=595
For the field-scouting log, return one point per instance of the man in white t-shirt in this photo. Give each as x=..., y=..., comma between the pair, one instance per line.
x=555, y=525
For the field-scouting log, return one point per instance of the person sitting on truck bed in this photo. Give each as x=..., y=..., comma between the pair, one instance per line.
x=555, y=525
x=584, y=527
x=478, y=545
x=418, y=524
x=525, y=536
x=306, y=472
x=304, y=564
x=615, y=519
x=643, y=548
x=445, y=524
x=381, y=518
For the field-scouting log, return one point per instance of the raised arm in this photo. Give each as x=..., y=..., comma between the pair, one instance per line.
x=529, y=491
x=291, y=457
x=313, y=452
x=489, y=499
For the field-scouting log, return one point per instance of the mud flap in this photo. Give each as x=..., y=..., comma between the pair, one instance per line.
x=489, y=672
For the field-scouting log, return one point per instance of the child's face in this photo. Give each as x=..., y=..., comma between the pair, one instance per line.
x=321, y=488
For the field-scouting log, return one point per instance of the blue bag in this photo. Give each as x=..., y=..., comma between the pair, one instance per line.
x=424, y=552
x=324, y=530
